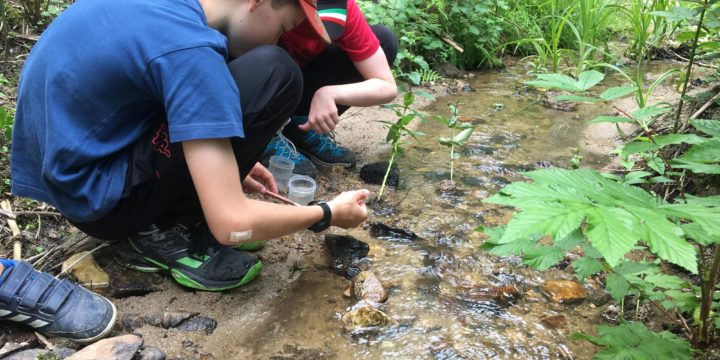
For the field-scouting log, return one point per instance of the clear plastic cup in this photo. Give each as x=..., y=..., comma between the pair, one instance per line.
x=282, y=169
x=301, y=189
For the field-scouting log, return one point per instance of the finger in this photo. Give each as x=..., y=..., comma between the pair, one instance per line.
x=335, y=118
x=360, y=196
x=252, y=186
x=305, y=127
x=269, y=180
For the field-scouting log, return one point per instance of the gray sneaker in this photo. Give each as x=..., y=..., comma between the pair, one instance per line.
x=53, y=306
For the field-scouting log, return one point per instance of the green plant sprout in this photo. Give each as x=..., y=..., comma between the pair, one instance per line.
x=461, y=132
x=399, y=129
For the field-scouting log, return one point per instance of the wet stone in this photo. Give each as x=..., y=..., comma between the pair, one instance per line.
x=172, y=319
x=367, y=286
x=478, y=150
x=448, y=70
x=151, y=353
x=473, y=181
x=125, y=282
x=33, y=354
x=118, y=348
x=346, y=254
x=550, y=101
x=385, y=232
x=564, y=291
x=131, y=322
x=364, y=316
x=448, y=188
x=374, y=173
x=199, y=323
x=555, y=321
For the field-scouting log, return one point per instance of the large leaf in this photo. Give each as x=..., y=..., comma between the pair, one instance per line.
x=548, y=219
x=705, y=152
x=661, y=141
x=617, y=92
x=588, y=79
x=610, y=231
x=648, y=112
x=665, y=239
x=635, y=341
x=696, y=232
x=697, y=168
x=710, y=127
x=707, y=217
x=543, y=257
x=578, y=98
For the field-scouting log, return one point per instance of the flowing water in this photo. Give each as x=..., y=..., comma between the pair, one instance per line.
x=435, y=281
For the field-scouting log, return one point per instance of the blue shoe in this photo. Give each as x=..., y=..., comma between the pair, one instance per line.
x=320, y=148
x=53, y=306
x=281, y=146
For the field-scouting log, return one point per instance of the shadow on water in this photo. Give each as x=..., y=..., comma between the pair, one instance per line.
x=448, y=299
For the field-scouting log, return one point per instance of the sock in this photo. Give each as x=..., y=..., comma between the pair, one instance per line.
x=7, y=263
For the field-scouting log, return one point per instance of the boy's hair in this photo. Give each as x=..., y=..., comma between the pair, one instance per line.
x=280, y=3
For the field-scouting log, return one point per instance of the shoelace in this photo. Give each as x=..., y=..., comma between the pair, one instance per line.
x=288, y=146
x=326, y=142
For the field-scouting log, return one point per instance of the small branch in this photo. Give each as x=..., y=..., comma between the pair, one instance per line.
x=48, y=213
x=697, y=63
x=688, y=73
x=45, y=341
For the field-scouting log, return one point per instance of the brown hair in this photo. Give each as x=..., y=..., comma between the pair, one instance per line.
x=280, y=3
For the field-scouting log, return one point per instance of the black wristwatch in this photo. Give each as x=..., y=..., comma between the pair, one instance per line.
x=324, y=223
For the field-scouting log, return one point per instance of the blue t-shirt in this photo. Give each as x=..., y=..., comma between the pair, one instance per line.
x=101, y=74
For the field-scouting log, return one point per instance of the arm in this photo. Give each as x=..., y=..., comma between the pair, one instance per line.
x=378, y=88
x=226, y=208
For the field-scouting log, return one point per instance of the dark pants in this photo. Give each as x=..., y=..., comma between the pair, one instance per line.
x=159, y=189
x=334, y=67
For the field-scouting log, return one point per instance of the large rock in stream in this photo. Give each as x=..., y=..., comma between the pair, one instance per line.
x=346, y=254
x=367, y=286
x=564, y=291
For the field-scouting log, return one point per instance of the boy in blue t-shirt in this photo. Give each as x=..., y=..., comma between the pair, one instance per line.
x=133, y=124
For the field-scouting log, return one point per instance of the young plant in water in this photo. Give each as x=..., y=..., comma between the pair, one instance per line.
x=461, y=132
x=398, y=129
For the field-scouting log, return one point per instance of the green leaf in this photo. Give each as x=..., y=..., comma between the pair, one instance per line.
x=414, y=77
x=517, y=247
x=695, y=167
x=588, y=79
x=555, y=220
x=610, y=119
x=656, y=163
x=665, y=239
x=462, y=137
x=648, y=112
x=696, y=232
x=631, y=267
x=571, y=241
x=610, y=232
x=710, y=127
x=586, y=266
x=644, y=144
x=683, y=300
x=554, y=81
x=636, y=341
x=707, y=217
x=636, y=177
x=578, y=98
x=617, y=286
x=617, y=92
x=705, y=152
x=666, y=281
x=543, y=257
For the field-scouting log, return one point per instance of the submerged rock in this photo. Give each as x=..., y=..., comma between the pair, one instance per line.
x=118, y=348
x=87, y=272
x=447, y=69
x=555, y=321
x=385, y=232
x=364, y=316
x=374, y=173
x=448, y=188
x=367, y=286
x=550, y=101
x=380, y=208
x=564, y=291
x=346, y=254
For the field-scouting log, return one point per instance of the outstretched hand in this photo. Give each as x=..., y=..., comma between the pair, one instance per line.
x=259, y=180
x=348, y=209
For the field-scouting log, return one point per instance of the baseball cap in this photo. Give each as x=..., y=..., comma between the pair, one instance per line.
x=327, y=17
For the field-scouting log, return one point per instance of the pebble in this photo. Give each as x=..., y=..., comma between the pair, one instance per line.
x=151, y=353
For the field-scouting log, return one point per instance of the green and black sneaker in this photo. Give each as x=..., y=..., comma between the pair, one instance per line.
x=193, y=258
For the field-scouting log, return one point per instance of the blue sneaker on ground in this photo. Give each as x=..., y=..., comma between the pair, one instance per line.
x=281, y=146
x=53, y=306
x=320, y=148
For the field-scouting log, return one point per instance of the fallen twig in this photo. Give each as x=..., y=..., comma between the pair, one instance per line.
x=82, y=257
x=45, y=341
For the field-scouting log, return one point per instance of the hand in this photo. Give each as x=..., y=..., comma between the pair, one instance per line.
x=323, y=116
x=259, y=180
x=348, y=209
